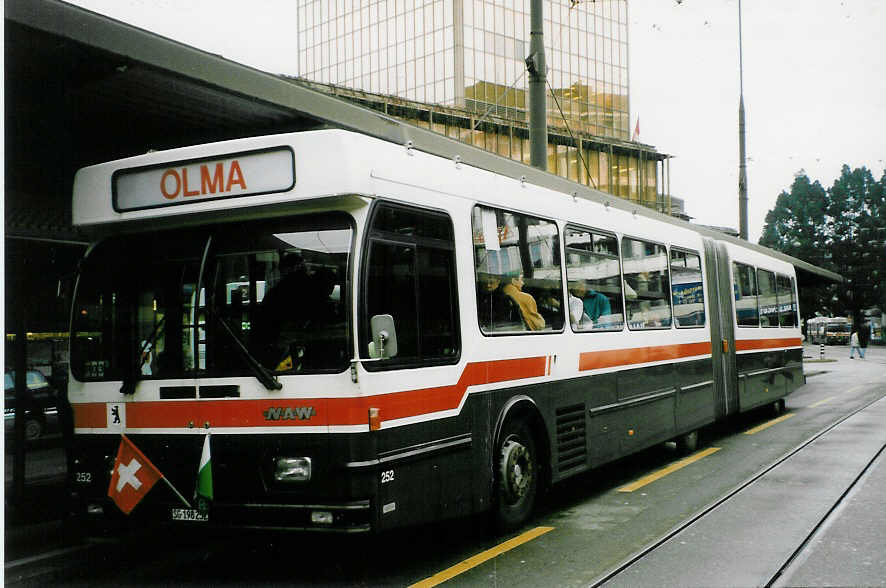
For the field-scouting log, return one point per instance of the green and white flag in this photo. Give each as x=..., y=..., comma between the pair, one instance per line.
x=204, y=473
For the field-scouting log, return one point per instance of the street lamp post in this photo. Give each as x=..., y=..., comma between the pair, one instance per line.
x=742, y=164
x=535, y=63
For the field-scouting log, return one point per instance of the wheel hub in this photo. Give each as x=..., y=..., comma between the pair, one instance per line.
x=516, y=469
x=33, y=429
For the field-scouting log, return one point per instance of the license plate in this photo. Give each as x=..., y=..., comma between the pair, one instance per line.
x=189, y=514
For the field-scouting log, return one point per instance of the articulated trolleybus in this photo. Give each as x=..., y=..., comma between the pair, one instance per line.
x=358, y=335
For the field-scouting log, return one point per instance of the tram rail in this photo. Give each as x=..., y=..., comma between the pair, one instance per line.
x=618, y=574
x=832, y=513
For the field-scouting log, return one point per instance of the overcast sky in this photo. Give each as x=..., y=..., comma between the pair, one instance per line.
x=814, y=87
x=814, y=92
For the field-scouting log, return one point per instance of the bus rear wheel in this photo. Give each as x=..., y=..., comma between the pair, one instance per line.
x=778, y=407
x=516, y=476
x=688, y=442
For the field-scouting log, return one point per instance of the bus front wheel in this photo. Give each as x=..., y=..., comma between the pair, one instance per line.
x=516, y=476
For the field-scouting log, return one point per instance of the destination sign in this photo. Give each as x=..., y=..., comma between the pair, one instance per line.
x=242, y=174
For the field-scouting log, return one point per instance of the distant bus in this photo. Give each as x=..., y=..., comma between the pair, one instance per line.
x=828, y=330
x=377, y=336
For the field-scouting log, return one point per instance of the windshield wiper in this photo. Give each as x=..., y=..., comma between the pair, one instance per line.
x=261, y=372
x=131, y=378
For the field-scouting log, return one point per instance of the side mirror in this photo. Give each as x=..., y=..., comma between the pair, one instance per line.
x=384, y=336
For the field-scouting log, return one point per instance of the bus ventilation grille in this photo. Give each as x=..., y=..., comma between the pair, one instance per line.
x=572, y=448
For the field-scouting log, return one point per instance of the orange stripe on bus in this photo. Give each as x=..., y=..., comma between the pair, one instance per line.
x=90, y=414
x=218, y=413
x=594, y=360
x=753, y=344
x=327, y=411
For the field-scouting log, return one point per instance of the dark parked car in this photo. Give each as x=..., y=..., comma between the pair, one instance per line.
x=41, y=408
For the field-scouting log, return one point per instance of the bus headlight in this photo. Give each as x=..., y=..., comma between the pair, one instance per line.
x=292, y=469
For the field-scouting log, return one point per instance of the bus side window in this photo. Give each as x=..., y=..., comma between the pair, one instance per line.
x=787, y=303
x=593, y=274
x=517, y=266
x=647, y=284
x=411, y=276
x=768, y=301
x=745, y=287
x=687, y=290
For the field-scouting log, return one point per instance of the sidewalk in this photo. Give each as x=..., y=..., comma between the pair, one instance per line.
x=812, y=353
x=44, y=496
x=33, y=524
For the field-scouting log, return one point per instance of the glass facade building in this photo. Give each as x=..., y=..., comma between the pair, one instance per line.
x=464, y=60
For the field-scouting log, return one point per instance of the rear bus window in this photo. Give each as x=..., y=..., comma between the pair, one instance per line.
x=787, y=302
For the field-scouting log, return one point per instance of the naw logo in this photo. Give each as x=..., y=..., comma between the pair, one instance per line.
x=289, y=413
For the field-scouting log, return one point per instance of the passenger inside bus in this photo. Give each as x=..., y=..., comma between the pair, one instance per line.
x=282, y=311
x=594, y=304
x=528, y=308
x=321, y=313
x=577, y=314
x=549, y=306
x=294, y=331
x=495, y=309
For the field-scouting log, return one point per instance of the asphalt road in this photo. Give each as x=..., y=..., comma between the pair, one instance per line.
x=585, y=529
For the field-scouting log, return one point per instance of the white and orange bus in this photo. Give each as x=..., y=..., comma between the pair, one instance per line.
x=378, y=336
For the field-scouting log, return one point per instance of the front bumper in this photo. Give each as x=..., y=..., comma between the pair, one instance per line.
x=337, y=498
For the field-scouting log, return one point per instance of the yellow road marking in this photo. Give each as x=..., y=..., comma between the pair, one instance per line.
x=820, y=402
x=476, y=560
x=759, y=428
x=677, y=465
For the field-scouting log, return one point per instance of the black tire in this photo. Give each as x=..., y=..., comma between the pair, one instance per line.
x=688, y=442
x=33, y=428
x=516, y=476
x=778, y=407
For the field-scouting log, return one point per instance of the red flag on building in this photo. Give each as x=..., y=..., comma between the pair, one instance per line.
x=636, y=136
x=133, y=476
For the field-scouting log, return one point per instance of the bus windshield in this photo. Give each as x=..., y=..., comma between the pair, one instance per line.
x=205, y=302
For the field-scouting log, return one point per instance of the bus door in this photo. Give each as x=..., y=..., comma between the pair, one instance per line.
x=409, y=371
x=722, y=329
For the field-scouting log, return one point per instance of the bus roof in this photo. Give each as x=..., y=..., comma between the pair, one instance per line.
x=255, y=170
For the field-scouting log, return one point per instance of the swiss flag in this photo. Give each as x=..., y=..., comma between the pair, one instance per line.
x=133, y=476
